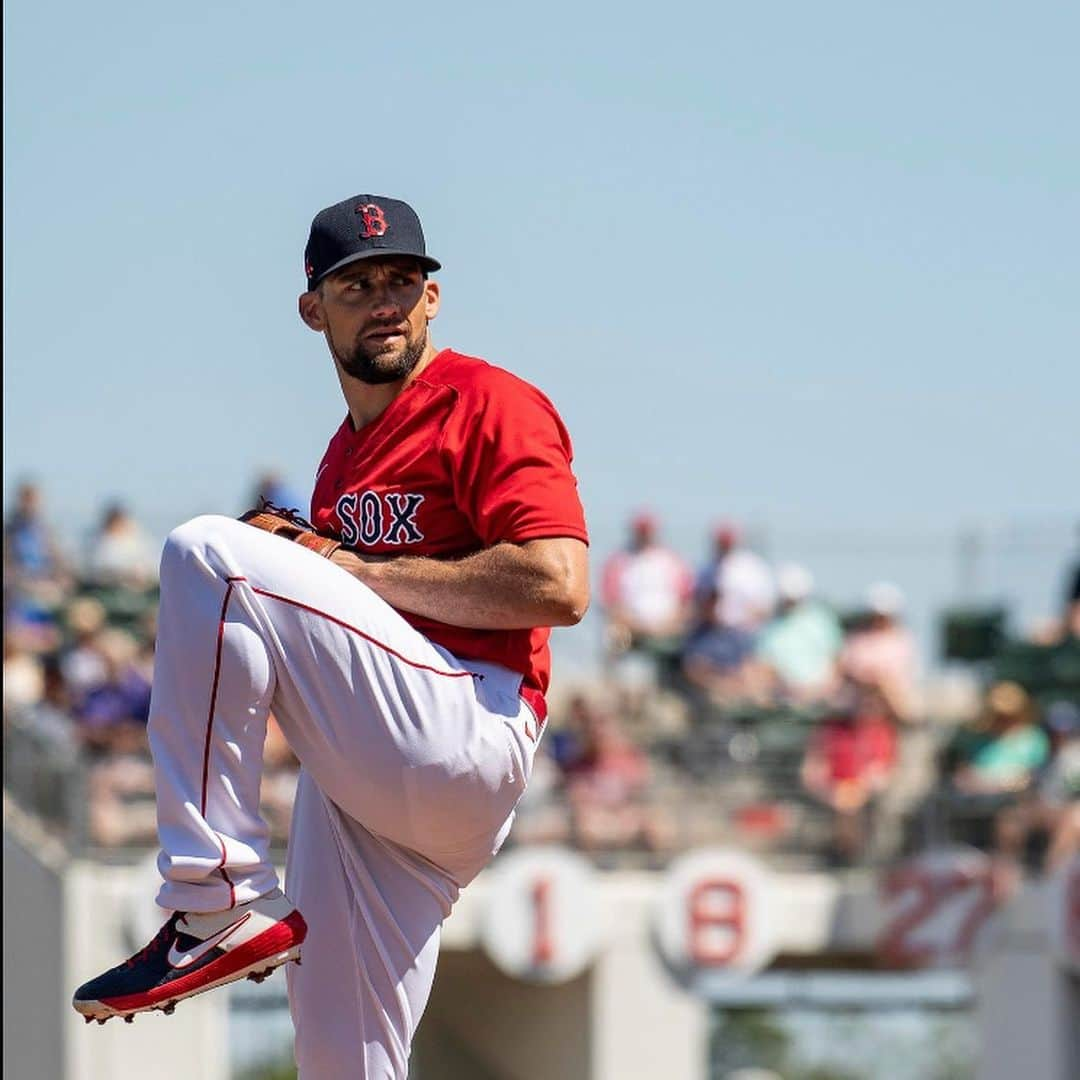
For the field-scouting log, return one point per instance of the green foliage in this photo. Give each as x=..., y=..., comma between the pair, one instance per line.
x=269, y=1070
x=746, y=1038
x=843, y=1043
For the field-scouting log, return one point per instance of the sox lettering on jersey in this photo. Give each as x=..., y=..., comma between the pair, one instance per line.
x=445, y=437
x=402, y=528
x=368, y=518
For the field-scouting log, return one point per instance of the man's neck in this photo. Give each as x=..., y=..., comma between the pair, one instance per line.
x=367, y=401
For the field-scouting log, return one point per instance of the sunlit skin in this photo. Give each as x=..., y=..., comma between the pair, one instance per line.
x=374, y=315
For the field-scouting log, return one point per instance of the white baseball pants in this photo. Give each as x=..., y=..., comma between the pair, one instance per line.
x=412, y=762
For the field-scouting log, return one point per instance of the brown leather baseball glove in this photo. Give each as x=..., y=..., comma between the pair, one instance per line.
x=289, y=525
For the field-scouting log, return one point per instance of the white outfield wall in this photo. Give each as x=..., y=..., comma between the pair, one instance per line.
x=1028, y=979
x=33, y=961
x=64, y=922
x=551, y=969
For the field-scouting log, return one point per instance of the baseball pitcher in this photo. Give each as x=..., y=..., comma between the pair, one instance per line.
x=401, y=640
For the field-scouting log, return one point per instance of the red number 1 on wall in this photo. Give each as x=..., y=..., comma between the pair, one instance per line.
x=543, y=950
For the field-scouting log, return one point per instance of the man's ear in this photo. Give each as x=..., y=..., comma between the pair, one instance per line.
x=311, y=310
x=431, y=298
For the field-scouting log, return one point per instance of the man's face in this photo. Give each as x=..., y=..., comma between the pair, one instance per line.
x=29, y=500
x=642, y=532
x=726, y=539
x=374, y=314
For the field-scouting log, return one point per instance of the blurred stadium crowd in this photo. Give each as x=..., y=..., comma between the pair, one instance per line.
x=733, y=706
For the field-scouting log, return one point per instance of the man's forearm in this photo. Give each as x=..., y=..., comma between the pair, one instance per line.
x=505, y=587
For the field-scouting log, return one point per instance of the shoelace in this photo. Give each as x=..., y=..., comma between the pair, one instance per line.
x=157, y=943
x=292, y=515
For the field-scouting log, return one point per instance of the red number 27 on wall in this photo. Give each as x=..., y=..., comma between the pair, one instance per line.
x=936, y=907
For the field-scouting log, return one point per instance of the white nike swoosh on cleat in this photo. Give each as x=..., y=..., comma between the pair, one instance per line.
x=186, y=959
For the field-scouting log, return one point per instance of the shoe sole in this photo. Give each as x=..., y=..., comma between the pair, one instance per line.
x=256, y=972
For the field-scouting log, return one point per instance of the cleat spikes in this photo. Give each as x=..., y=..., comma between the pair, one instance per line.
x=298, y=962
x=250, y=942
x=88, y=1019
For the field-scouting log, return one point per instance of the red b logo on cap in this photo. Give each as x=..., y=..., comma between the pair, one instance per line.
x=374, y=221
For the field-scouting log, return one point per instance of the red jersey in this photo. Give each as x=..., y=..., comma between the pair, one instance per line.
x=855, y=748
x=465, y=457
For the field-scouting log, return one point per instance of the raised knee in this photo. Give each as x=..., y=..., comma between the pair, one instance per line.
x=194, y=534
x=192, y=540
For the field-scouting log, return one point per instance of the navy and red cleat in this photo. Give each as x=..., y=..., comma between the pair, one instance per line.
x=192, y=953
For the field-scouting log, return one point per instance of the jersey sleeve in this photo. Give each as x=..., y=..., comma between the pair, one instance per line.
x=510, y=457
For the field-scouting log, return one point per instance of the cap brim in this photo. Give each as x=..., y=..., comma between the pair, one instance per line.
x=426, y=261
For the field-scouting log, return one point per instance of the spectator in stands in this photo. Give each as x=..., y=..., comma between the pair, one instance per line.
x=112, y=716
x=41, y=751
x=30, y=551
x=120, y=554
x=849, y=760
x=718, y=662
x=801, y=644
x=120, y=788
x=36, y=576
x=1002, y=753
x=1050, y=812
x=739, y=579
x=880, y=651
x=607, y=785
x=82, y=662
x=111, y=724
x=646, y=592
x=24, y=681
x=271, y=487
x=49, y=720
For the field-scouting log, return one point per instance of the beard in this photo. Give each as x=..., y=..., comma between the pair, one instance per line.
x=378, y=362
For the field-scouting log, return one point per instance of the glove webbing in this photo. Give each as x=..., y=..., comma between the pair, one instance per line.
x=289, y=525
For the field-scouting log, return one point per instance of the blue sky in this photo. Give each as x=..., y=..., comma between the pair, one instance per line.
x=813, y=267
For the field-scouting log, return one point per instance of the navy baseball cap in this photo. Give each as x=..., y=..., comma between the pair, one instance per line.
x=363, y=227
